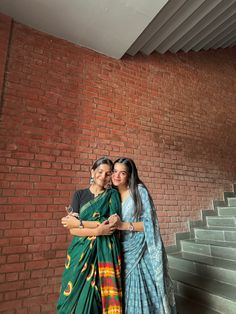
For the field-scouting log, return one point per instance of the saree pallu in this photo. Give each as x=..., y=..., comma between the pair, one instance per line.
x=91, y=281
x=147, y=284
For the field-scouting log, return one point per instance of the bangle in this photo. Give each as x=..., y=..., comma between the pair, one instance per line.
x=81, y=226
x=131, y=227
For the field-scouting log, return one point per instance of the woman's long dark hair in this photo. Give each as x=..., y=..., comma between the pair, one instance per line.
x=133, y=182
x=102, y=161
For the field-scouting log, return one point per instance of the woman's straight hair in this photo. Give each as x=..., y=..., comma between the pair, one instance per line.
x=133, y=182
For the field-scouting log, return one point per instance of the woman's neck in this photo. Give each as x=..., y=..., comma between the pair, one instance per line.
x=124, y=191
x=95, y=189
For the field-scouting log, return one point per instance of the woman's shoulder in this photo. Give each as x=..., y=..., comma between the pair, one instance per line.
x=113, y=190
x=80, y=192
x=142, y=188
x=142, y=191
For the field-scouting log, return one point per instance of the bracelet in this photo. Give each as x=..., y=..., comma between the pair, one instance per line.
x=131, y=227
x=81, y=226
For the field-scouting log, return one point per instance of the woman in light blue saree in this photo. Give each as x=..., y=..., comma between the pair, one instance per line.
x=147, y=284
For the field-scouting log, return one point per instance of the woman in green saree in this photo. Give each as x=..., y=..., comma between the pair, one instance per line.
x=91, y=280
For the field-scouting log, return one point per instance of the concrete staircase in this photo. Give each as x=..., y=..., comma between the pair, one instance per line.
x=203, y=264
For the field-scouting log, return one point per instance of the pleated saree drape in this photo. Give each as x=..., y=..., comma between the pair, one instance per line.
x=147, y=284
x=91, y=281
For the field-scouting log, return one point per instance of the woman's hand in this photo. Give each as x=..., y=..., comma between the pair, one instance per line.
x=105, y=228
x=70, y=222
x=115, y=220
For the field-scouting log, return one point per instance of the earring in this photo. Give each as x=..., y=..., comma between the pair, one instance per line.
x=109, y=185
x=91, y=180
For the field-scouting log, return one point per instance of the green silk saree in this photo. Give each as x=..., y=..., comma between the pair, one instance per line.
x=91, y=282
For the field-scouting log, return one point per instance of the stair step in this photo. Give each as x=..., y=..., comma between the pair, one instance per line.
x=216, y=234
x=227, y=211
x=186, y=306
x=214, y=294
x=228, y=221
x=216, y=303
x=232, y=201
x=210, y=267
x=204, y=271
x=224, y=250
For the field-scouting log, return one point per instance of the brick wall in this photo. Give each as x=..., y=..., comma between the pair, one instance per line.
x=64, y=106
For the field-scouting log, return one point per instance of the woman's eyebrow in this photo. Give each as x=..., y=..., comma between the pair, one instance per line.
x=123, y=171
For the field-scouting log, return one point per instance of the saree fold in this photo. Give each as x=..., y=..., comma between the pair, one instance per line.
x=91, y=281
x=147, y=284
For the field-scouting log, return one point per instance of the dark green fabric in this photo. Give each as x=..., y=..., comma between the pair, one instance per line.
x=86, y=254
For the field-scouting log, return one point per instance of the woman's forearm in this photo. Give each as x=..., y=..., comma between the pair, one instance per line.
x=90, y=224
x=72, y=222
x=103, y=229
x=126, y=226
x=83, y=232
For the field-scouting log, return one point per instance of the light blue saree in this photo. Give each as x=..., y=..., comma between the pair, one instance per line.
x=147, y=285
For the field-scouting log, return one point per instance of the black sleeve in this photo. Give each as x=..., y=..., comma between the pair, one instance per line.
x=76, y=202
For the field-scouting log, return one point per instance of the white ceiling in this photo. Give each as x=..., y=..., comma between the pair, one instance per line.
x=116, y=27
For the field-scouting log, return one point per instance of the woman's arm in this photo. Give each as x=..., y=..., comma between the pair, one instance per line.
x=71, y=222
x=103, y=229
x=146, y=215
x=90, y=228
x=127, y=226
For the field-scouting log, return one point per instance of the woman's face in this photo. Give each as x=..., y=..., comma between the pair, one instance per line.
x=120, y=176
x=101, y=175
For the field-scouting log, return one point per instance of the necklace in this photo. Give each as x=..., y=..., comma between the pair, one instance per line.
x=95, y=191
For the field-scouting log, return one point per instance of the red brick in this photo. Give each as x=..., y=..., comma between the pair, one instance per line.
x=34, y=300
x=24, y=275
x=11, y=286
x=5, y=224
x=19, y=200
x=38, y=247
x=36, y=291
x=37, y=216
x=37, y=273
x=40, y=231
x=40, y=223
x=41, y=200
x=27, y=240
x=36, y=265
x=23, y=294
x=29, y=224
x=43, y=157
x=9, y=305
x=24, y=163
x=14, y=249
x=12, y=276
x=8, y=192
x=21, y=185
x=36, y=283
x=16, y=232
x=10, y=295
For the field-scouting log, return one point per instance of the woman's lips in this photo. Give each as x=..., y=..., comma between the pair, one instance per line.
x=115, y=181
